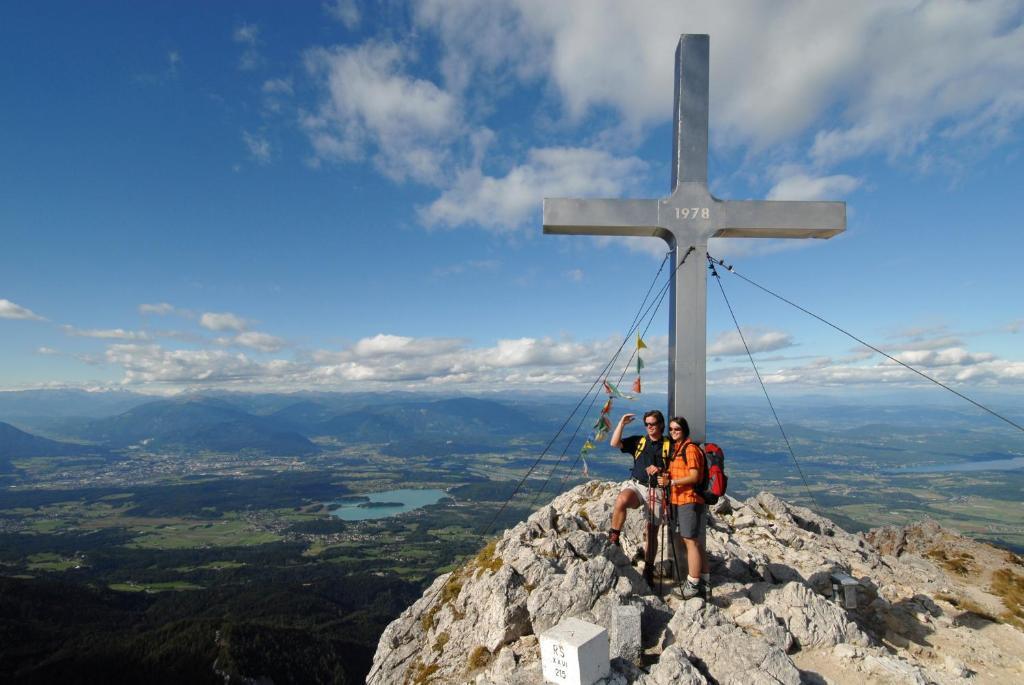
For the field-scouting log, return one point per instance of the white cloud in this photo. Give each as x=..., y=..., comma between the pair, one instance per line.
x=800, y=186
x=729, y=343
x=896, y=72
x=509, y=202
x=385, y=344
x=9, y=310
x=345, y=11
x=47, y=351
x=258, y=146
x=370, y=107
x=264, y=342
x=574, y=275
x=105, y=333
x=223, y=321
x=951, y=366
x=153, y=364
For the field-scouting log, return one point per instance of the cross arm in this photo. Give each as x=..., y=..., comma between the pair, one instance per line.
x=603, y=217
x=780, y=219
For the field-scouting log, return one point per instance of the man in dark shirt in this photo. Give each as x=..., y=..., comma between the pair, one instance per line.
x=650, y=454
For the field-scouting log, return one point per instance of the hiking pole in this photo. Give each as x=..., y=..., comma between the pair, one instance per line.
x=661, y=523
x=650, y=540
x=672, y=538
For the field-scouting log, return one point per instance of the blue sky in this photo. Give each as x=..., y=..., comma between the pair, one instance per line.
x=346, y=195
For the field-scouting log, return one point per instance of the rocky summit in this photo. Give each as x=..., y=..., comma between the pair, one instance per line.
x=930, y=606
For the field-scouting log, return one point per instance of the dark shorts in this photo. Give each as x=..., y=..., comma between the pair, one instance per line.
x=691, y=520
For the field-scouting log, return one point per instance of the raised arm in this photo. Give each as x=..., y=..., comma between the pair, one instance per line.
x=616, y=440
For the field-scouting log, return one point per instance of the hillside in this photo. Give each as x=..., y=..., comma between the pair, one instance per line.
x=198, y=424
x=449, y=418
x=923, y=615
x=17, y=444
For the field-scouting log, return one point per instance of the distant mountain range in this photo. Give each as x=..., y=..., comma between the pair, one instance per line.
x=280, y=425
x=401, y=423
x=198, y=424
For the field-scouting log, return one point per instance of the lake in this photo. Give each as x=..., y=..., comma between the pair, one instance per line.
x=1008, y=464
x=410, y=499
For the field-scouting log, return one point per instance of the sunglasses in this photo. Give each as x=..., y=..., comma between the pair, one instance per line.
x=651, y=425
x=675, y=428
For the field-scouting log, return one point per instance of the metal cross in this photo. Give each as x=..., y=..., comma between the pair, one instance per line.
x=688, y=217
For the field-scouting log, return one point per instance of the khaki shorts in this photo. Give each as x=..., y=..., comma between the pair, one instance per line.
x=641, y=491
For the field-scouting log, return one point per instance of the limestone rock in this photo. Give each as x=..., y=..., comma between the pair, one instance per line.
x=724, y=651
x=674, y=668
x=811, y=619
x=771, y=565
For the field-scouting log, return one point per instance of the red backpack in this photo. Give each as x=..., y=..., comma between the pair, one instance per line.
x=714, y=483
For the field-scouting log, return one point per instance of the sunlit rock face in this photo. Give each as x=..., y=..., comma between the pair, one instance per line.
x=771, y=619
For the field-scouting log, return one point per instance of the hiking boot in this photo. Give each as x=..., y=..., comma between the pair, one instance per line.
x=691, y=589
x=638, y=556
x=613, y=537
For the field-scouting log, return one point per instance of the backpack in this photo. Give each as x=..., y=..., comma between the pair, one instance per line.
x=714, y=483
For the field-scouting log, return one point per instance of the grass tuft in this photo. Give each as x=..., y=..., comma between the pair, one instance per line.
x=486, y=560
x=440, y=642
x=1009, y=587
x=423, y=672
x=959, y=564
x=478, y=658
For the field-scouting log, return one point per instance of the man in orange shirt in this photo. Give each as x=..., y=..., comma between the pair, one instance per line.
x=685, y=472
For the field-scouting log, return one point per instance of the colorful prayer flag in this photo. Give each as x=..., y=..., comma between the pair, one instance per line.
x=607, y=406
x=587, y=446
x=614, y=392
x=586, y=470
x=636, y=385
x=640, y=344
x=603, y=423
x=639, y=364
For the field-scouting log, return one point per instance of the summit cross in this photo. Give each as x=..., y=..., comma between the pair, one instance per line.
x=689, y=217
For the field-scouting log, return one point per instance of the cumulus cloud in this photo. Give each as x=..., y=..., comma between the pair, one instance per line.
x=9, y=310
x=729, y=343
x=105, y=333
x=952, y=366
x=154, y=364
x=508, y=202
x=895, y=73
x=372, y=108
x=223, y=321
x=388, y=360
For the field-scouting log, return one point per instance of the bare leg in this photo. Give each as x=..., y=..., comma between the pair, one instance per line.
x=627, y=499
x=694, y=557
